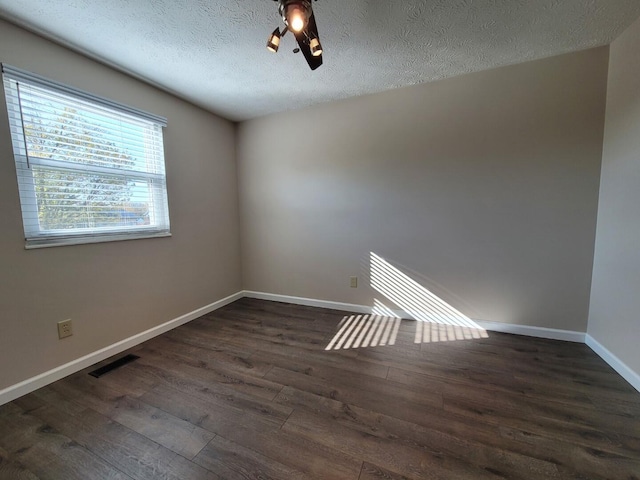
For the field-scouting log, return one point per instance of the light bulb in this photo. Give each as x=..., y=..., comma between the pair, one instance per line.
x=316, y=48
x=297, y=19
x=274, y=41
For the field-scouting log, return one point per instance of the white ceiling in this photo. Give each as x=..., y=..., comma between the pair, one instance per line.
x=212, y=52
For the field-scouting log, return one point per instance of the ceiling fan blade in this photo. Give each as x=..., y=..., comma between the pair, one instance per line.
x=314, y=62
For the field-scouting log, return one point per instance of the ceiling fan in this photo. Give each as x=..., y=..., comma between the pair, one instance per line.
x=298, y=18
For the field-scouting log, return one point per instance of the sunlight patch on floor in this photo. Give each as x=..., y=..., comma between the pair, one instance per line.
x=358, y=331
x=432, y=332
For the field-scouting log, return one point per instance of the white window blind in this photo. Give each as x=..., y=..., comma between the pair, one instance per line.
x=89, y=169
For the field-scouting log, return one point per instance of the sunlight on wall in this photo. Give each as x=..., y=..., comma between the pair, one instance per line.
x=380, y=308
x=412, y=297
x=434, y=319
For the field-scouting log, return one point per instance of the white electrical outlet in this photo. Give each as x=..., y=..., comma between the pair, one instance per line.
x=64, y=329
x=354, y=282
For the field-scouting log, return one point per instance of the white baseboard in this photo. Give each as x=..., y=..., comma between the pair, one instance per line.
x=529, y=331
x=614, y=362
x=540, y=332
x=309, y=302
x=31, y=384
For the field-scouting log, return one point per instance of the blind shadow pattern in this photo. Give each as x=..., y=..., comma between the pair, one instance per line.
x=432, y=319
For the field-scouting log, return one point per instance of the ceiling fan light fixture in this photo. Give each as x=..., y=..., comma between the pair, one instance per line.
x=316, y=47
x=298, y=16
x=274, y=41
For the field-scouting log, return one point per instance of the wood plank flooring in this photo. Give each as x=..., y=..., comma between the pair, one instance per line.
x=266, y=390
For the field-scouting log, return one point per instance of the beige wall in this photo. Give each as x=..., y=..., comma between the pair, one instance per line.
x=482, y=188
x=114, y=290
x=614, y=316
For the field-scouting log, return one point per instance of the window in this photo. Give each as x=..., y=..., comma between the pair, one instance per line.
x=89, y=170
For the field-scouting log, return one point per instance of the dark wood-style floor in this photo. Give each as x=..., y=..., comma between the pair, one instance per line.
x=264, y=390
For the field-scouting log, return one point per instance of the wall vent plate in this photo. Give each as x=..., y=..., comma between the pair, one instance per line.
x=113, y=365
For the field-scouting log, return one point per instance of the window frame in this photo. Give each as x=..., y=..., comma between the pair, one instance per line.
x=35, y=235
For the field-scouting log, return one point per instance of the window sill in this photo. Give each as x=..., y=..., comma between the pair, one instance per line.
x=65, y=242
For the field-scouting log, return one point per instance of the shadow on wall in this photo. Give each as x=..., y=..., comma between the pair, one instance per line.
x=434, y=320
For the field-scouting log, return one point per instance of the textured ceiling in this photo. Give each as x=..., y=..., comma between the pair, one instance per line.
x=212, y=52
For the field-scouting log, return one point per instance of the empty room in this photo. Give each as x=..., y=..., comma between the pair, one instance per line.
x=333, y=239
